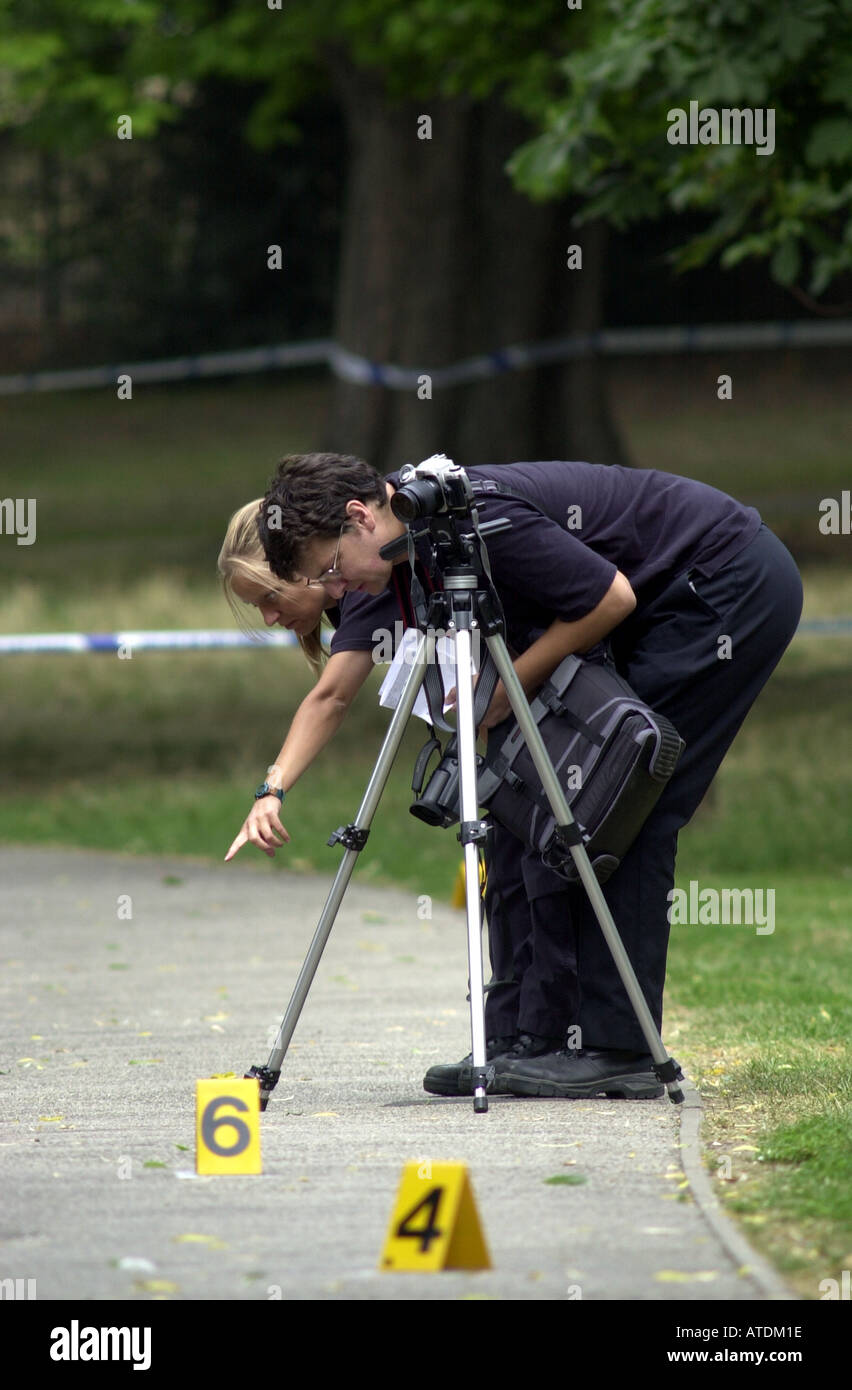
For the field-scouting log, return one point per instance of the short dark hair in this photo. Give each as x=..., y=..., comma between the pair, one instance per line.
x=307, y=498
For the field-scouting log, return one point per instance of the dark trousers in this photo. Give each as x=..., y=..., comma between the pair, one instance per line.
x=700, y=652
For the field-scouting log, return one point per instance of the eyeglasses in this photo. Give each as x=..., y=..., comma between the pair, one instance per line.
x=330, y=576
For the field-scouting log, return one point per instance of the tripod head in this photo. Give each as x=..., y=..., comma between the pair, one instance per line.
x=440, y=499
x=439, y=495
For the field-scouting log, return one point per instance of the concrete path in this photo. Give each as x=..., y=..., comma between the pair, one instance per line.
x=110, y=1018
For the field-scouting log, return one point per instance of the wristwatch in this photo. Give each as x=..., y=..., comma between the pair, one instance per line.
x=265, y=790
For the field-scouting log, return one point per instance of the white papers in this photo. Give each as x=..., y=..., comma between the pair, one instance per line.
x=400, y=669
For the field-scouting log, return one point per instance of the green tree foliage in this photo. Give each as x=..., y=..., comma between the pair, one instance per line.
x=136, y=240
x=597, y=81
x=149, y=246
x=73, y=65
x=605, y=136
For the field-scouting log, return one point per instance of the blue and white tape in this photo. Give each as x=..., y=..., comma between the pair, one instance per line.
x=210, y=639
x=350, y=366
x=204, y=639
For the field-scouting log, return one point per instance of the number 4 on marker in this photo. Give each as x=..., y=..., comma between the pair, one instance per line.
x=430, y=1231
x=434, y=1224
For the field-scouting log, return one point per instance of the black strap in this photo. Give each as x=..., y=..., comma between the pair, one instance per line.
x=430, y=746
x=579, y=724
x=433, y=686
x=485, y=687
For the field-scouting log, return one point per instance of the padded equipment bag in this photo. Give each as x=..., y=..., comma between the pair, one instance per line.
x=612, y=756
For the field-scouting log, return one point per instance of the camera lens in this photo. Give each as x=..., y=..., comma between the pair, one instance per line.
x=422, y=497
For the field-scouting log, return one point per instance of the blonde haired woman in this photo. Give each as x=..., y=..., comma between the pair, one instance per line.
x=248, y=580
x=300, y=607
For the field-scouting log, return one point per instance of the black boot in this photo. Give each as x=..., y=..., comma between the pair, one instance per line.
x=457, y=1080
x=580, y=1073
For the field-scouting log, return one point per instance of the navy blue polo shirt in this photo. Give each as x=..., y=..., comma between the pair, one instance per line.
x=573, y=526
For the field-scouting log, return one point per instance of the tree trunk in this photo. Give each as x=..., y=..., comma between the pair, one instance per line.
x=442, y=260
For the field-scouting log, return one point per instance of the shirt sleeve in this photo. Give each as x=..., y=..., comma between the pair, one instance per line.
x=364, y=618
x=540, y=563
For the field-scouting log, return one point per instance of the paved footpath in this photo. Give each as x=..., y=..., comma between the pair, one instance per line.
x=110, y=1018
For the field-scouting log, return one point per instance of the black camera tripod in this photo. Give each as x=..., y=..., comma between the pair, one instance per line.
x=467, y=604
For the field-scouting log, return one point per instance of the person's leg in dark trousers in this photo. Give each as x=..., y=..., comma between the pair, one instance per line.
x=533, y=962
x=699, y=653
x=549, y=993
x=509, y=932
x=531, y=943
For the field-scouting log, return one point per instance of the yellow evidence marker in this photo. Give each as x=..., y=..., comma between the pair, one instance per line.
x=227, y=1126
x=434, y=1224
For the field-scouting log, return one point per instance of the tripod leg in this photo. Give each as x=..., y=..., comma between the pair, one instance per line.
x=666, y=1069
x=471, y=835
x=354, y=837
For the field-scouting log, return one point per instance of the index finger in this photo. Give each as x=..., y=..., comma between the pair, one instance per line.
x=241, y=840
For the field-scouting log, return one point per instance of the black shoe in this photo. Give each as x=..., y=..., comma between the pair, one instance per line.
x=528, y=1045
x=577, y=1073
x=457, y=1080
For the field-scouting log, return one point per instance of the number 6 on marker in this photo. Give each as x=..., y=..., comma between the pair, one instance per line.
x=227, y=1126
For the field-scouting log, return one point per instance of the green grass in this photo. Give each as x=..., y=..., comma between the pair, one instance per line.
x=782, y=442
x=129, y=490
x=160, y=754
x=763, y=1024
x=782, y=797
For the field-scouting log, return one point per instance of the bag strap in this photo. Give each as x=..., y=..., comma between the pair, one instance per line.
x=557, y=706
x=429, y=747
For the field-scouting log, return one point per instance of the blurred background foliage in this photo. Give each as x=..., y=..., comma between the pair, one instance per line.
x=295, y=125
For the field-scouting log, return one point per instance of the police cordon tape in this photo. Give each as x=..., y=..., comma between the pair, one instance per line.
x=204, y=639
x=209, y=639
x=350, y=366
